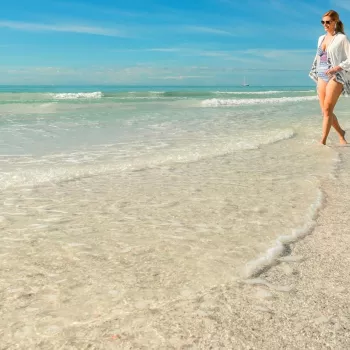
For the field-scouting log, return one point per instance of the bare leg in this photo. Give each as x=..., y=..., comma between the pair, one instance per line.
x=321, y=88
x=332, y=92
x=339, y=130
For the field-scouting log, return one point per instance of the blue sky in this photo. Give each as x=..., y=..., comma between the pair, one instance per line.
x=161, y=42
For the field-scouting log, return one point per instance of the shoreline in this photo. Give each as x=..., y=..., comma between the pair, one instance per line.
x=73, y=286
x=316, y=313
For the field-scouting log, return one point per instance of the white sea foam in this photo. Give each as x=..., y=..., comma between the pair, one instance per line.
x=260, y=92
x=33, y=108
x=77, y=95
x=268, y=139
x=255, y=267
x=87, y=164
x=337, y=160
x=214, y=102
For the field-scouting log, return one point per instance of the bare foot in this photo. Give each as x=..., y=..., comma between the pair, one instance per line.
x=342, y=139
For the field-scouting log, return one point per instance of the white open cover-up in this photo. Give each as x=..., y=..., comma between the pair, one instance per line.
x=338, y=52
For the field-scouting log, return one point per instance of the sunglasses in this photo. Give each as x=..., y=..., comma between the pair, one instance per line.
x=326, y=22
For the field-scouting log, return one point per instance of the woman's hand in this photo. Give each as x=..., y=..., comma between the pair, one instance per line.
x=333, y=70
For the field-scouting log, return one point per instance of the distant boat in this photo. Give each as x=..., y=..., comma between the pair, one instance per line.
x=244, y=82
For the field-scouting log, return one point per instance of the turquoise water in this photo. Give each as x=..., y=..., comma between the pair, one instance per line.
x=135, y=93
x=45, y=118
x=139, y=196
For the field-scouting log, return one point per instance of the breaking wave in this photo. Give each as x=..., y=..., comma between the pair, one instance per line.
x=214, y=102
x=76, y=95
x=260, y=92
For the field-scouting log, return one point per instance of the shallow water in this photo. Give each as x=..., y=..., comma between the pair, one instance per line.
x=110, y=207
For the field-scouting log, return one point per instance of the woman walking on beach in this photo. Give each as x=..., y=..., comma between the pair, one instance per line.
x=331, y=71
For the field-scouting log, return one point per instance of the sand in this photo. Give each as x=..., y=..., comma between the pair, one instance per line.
x=302, y=302
x=306, y=304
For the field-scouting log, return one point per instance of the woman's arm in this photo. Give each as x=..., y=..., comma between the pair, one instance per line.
x=346, y=63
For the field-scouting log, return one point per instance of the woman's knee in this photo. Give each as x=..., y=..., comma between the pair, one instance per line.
x=327, y=110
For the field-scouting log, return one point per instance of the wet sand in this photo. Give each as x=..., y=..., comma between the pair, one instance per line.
x=300, y=303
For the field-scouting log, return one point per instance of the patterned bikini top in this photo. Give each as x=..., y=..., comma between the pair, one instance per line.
x=322, y=53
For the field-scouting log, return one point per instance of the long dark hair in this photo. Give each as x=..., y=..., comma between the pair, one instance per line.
x=339, y=26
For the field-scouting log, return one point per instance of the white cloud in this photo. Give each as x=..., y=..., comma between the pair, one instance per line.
x=260, y=55
x=270, y=53
x=112, y=11
x=179, y=50
x=216, y=65
x=206, y=30
x=183, y=77
x=71, y=28
x=156, y=49
x=344, y=4
x=98, y=75
x=165, y=49
x=150, y=75
x=212, y=53
x=296, y=8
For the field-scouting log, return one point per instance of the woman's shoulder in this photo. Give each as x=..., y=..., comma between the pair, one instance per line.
x=321, y=37
x=341, y=36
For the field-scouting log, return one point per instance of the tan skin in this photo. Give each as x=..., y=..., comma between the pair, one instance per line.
x=329, y=92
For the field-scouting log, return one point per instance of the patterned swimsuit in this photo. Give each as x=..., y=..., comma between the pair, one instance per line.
x=324, y=61
x=323, y=65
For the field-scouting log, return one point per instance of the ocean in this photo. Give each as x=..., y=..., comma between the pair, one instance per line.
x=120, y=200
